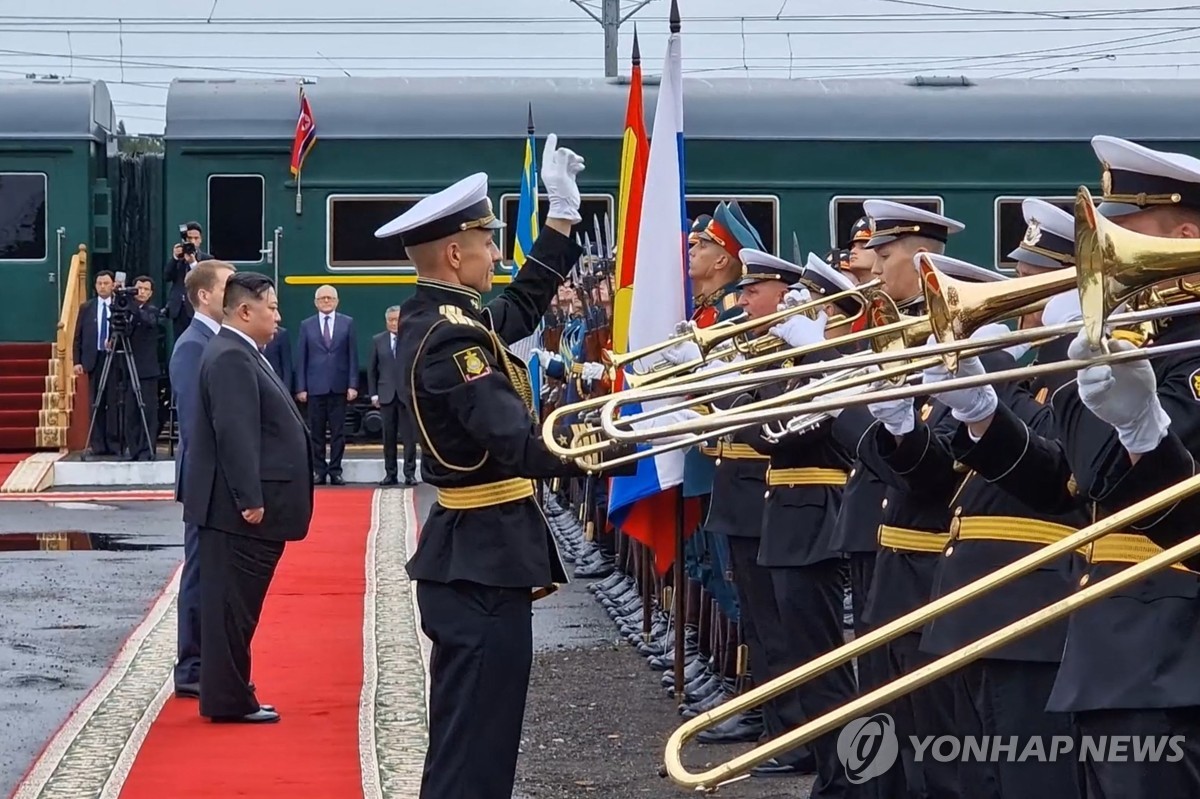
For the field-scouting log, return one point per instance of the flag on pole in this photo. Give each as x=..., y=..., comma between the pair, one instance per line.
x=306, y=135
x=645, y=505
x=527, y=206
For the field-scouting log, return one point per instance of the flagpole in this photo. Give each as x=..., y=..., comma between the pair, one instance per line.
x=299, y=202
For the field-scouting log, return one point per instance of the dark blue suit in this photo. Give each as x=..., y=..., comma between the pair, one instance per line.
x=185, y=375
x=326, y=372
x=279, y=355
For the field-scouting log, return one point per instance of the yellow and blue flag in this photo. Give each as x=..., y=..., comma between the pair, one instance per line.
x=527, y=206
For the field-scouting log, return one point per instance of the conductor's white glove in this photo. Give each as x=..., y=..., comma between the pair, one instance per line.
x=683, y=352
x=896, y=415
x=966, y=404
x=559, y=168
x=1124, y=394
x=1062, y=308
x=793, y=298
x=800, y=331
x=592, y=371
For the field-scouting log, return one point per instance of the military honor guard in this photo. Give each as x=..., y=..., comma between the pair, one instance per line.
x=485, y=552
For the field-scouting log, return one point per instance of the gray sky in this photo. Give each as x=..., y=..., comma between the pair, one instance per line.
x=138, y=46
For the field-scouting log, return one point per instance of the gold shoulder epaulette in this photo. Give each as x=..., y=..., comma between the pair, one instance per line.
x=730, y=300
x=454, y=314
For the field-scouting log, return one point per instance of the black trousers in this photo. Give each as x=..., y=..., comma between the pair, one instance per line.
x=762, y=630
x=1006, y=699
x=927, y=711
x=327, y=410
x=479, y=678
x=397, y=424
x=106, y=429
x=810, y=601
x=1130, y=779
x=235, y=573
x=135, y=435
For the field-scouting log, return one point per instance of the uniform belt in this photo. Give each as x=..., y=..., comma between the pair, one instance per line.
x=1126, y=548
x=1008, y=528
x=735, y=452
x=485, y=495
x=913, y=540
x=806, y=476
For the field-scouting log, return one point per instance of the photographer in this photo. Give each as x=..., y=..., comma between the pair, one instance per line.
x=144, y=332
x=184, y=256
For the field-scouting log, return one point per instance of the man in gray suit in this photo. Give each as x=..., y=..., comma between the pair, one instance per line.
x=389, y=392
x=205, y=286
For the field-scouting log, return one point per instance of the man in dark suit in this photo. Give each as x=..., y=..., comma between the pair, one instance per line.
x=388, y=389
x=92, y=347
x=249, y=489
x=206, y=293
x=143, y=342
x=327, y=378
x=279, y=355
x=183, y=259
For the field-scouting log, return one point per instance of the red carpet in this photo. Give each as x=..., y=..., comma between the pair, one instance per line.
x=9, y=462
x=23, y=370
x=308, y=655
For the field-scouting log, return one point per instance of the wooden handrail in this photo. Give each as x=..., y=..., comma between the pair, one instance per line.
x=74, y=295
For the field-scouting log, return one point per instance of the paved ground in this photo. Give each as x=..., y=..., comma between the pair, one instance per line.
x=64, y=615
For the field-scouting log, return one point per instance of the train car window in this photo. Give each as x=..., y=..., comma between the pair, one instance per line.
x=23, y=224
x=350, y=233
x=1010, y=226
x=236, y=220
x=592, y=208
x=762, y=211
x=845, y=211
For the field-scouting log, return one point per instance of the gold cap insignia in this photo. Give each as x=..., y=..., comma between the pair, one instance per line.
x=1033, y=234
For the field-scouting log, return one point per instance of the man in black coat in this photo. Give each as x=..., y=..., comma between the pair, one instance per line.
x=249, y=489
x=144, y=334
x=92, y=348
x=388, y=388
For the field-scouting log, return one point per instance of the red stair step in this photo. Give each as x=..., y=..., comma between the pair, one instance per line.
x=22, y=385
x=13, y=419
x=18, y=367
x=18, y=440
x=20, y=402
x=25, y=350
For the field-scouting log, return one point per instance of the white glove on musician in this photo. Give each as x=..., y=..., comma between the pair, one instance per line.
x=683, y=352
x=967, y=405
x=800, y=331
x=793, y=298
x=544, y=358
x=1062, y=308
x=1125, y=395
x=896, y=415
x=592, y=371
x=662, y=420
x=559, y=168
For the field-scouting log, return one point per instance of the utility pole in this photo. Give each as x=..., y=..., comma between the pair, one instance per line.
x=611, y=20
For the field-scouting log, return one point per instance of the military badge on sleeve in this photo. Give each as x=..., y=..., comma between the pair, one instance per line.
x=1194, y=380
x=472, y=363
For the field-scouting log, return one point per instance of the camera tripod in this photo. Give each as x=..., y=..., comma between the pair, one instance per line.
x=121, y=347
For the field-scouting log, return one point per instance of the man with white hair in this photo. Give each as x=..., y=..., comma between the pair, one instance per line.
x=326, y=379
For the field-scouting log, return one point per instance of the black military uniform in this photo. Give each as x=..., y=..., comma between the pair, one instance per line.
x=485, y=551
x=1130, y=660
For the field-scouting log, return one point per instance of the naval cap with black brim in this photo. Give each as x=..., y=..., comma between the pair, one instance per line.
x=463, y=206
x=892, y=220
x=1134, y=177
x=826, y=280
x=960, y=270
x=762, y=266
x=1049, y=241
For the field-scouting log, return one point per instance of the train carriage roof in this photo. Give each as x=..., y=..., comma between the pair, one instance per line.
x=737, y=108
x=55, y=108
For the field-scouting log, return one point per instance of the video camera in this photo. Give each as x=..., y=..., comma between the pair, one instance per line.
x=124, y=303
x=188, y=247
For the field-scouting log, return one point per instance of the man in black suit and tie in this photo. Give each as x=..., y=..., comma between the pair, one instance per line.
x=206, y=294
x=92, y=348
x=279, y=355
x=327, y=378
x=249, y=489
x=387, y=387
x=143, y=342
x=183, y=260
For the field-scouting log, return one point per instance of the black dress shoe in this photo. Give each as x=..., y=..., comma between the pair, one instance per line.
x=319, y=480
x=742, y=728
x=773, y=768
x=260, y=716
x=389, y=481
x=410, y=481
x=337, y=481
x=187, y=690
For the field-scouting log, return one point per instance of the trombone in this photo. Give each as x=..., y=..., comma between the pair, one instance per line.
x=1121, y=264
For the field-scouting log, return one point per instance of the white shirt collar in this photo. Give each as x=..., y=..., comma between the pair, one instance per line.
x=253, y=343
x=209, y=322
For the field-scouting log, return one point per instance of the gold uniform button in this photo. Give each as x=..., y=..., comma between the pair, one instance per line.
x=949, y=551
x=1083, y=580
x=884, y=505
x=852, y=471
x=767, y=493
x=717, y=462
x=955, y=526
x=958, y=511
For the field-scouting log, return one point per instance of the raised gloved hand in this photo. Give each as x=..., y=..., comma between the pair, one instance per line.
x=966, y=404
x=800, y=331
x=896, y=415
x=683, y=352
x=592, y=371
x=1124, y=394
x=795, y=297
x=1062, y=308
x=559, y=168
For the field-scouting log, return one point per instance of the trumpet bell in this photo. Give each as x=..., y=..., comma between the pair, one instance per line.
x=1116, y=264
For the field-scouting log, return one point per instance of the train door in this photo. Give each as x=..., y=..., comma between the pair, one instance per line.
x=34, y=254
